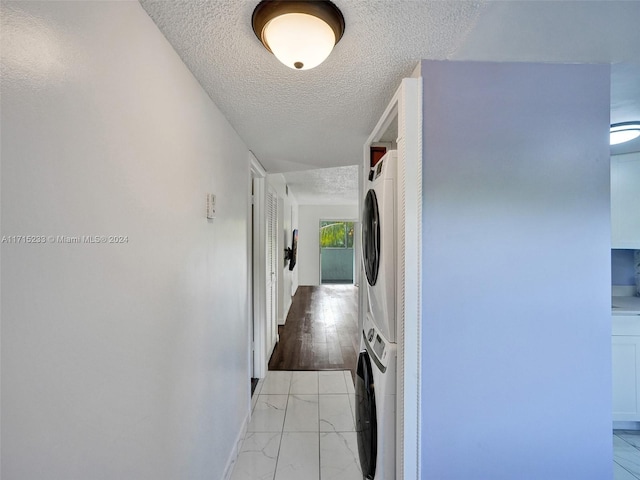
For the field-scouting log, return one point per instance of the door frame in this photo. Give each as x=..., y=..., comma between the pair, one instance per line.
x=257, y=322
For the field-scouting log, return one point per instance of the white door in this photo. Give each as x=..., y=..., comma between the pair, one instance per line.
x=271, y=277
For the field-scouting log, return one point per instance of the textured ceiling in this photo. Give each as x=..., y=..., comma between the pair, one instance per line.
x=301, y=120
x=328, y=186
x=296, y=120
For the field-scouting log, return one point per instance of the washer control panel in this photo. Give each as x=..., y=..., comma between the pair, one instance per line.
x=378, y=347
x=376, y=343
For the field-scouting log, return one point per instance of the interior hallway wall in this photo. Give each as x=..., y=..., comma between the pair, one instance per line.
x=119, y=360
x=516, y=370
x=309, y=237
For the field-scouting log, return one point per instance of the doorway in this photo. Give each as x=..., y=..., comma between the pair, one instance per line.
x=257, y=274
x=336, y=251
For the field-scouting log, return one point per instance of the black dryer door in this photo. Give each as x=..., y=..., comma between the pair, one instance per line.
x=371, y=237
x=366, y=426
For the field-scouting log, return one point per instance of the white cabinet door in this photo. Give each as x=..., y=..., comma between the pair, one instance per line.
x=626, y=377
x=625, y=201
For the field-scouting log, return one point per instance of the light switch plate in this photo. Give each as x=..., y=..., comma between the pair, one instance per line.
x=211, y=205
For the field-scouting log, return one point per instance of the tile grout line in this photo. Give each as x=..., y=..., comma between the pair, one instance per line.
x=619, y=464
x=626, y=441
x=626, y=469
x=286, y=407
x=287, y=412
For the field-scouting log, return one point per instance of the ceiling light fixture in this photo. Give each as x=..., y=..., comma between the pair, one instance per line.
x=301, y=34
x=624, y=132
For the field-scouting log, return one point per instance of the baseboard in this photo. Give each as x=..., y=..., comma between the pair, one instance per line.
x=233, y=457
x=617, y=425
x=623, y=290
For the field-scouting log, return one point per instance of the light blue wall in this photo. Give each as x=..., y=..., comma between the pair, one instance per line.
x=516, y=357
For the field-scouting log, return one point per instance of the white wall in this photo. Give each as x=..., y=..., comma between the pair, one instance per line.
x=516, y=372
x=287, y=221
x=118, y=360
x=309, y=237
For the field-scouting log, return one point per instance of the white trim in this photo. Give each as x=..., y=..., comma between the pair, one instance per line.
x=410, y=128
x=257, y=169
x=249, y=299
x=363, y=173
x=405, y=108
x=258, y=322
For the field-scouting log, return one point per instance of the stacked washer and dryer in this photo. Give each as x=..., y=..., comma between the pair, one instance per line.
x=376, y=370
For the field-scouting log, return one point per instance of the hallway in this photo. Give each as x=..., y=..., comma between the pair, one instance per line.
x=321, y=331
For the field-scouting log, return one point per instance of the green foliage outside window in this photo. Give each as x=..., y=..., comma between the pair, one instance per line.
x=336, y=234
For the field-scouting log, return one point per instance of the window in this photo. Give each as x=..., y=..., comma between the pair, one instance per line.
x=336, y=234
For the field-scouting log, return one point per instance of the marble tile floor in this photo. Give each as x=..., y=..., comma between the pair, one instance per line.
x=302, y=427
x=626, y=454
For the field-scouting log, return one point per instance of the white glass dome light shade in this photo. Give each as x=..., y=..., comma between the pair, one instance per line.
x=624, y=132
x=300, y=33
x=299, y=40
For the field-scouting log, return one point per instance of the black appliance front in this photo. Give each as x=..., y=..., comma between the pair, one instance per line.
x=366, y=426
x=371, y=237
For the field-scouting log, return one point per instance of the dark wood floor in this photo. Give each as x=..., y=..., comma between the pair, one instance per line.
x=321, y=331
